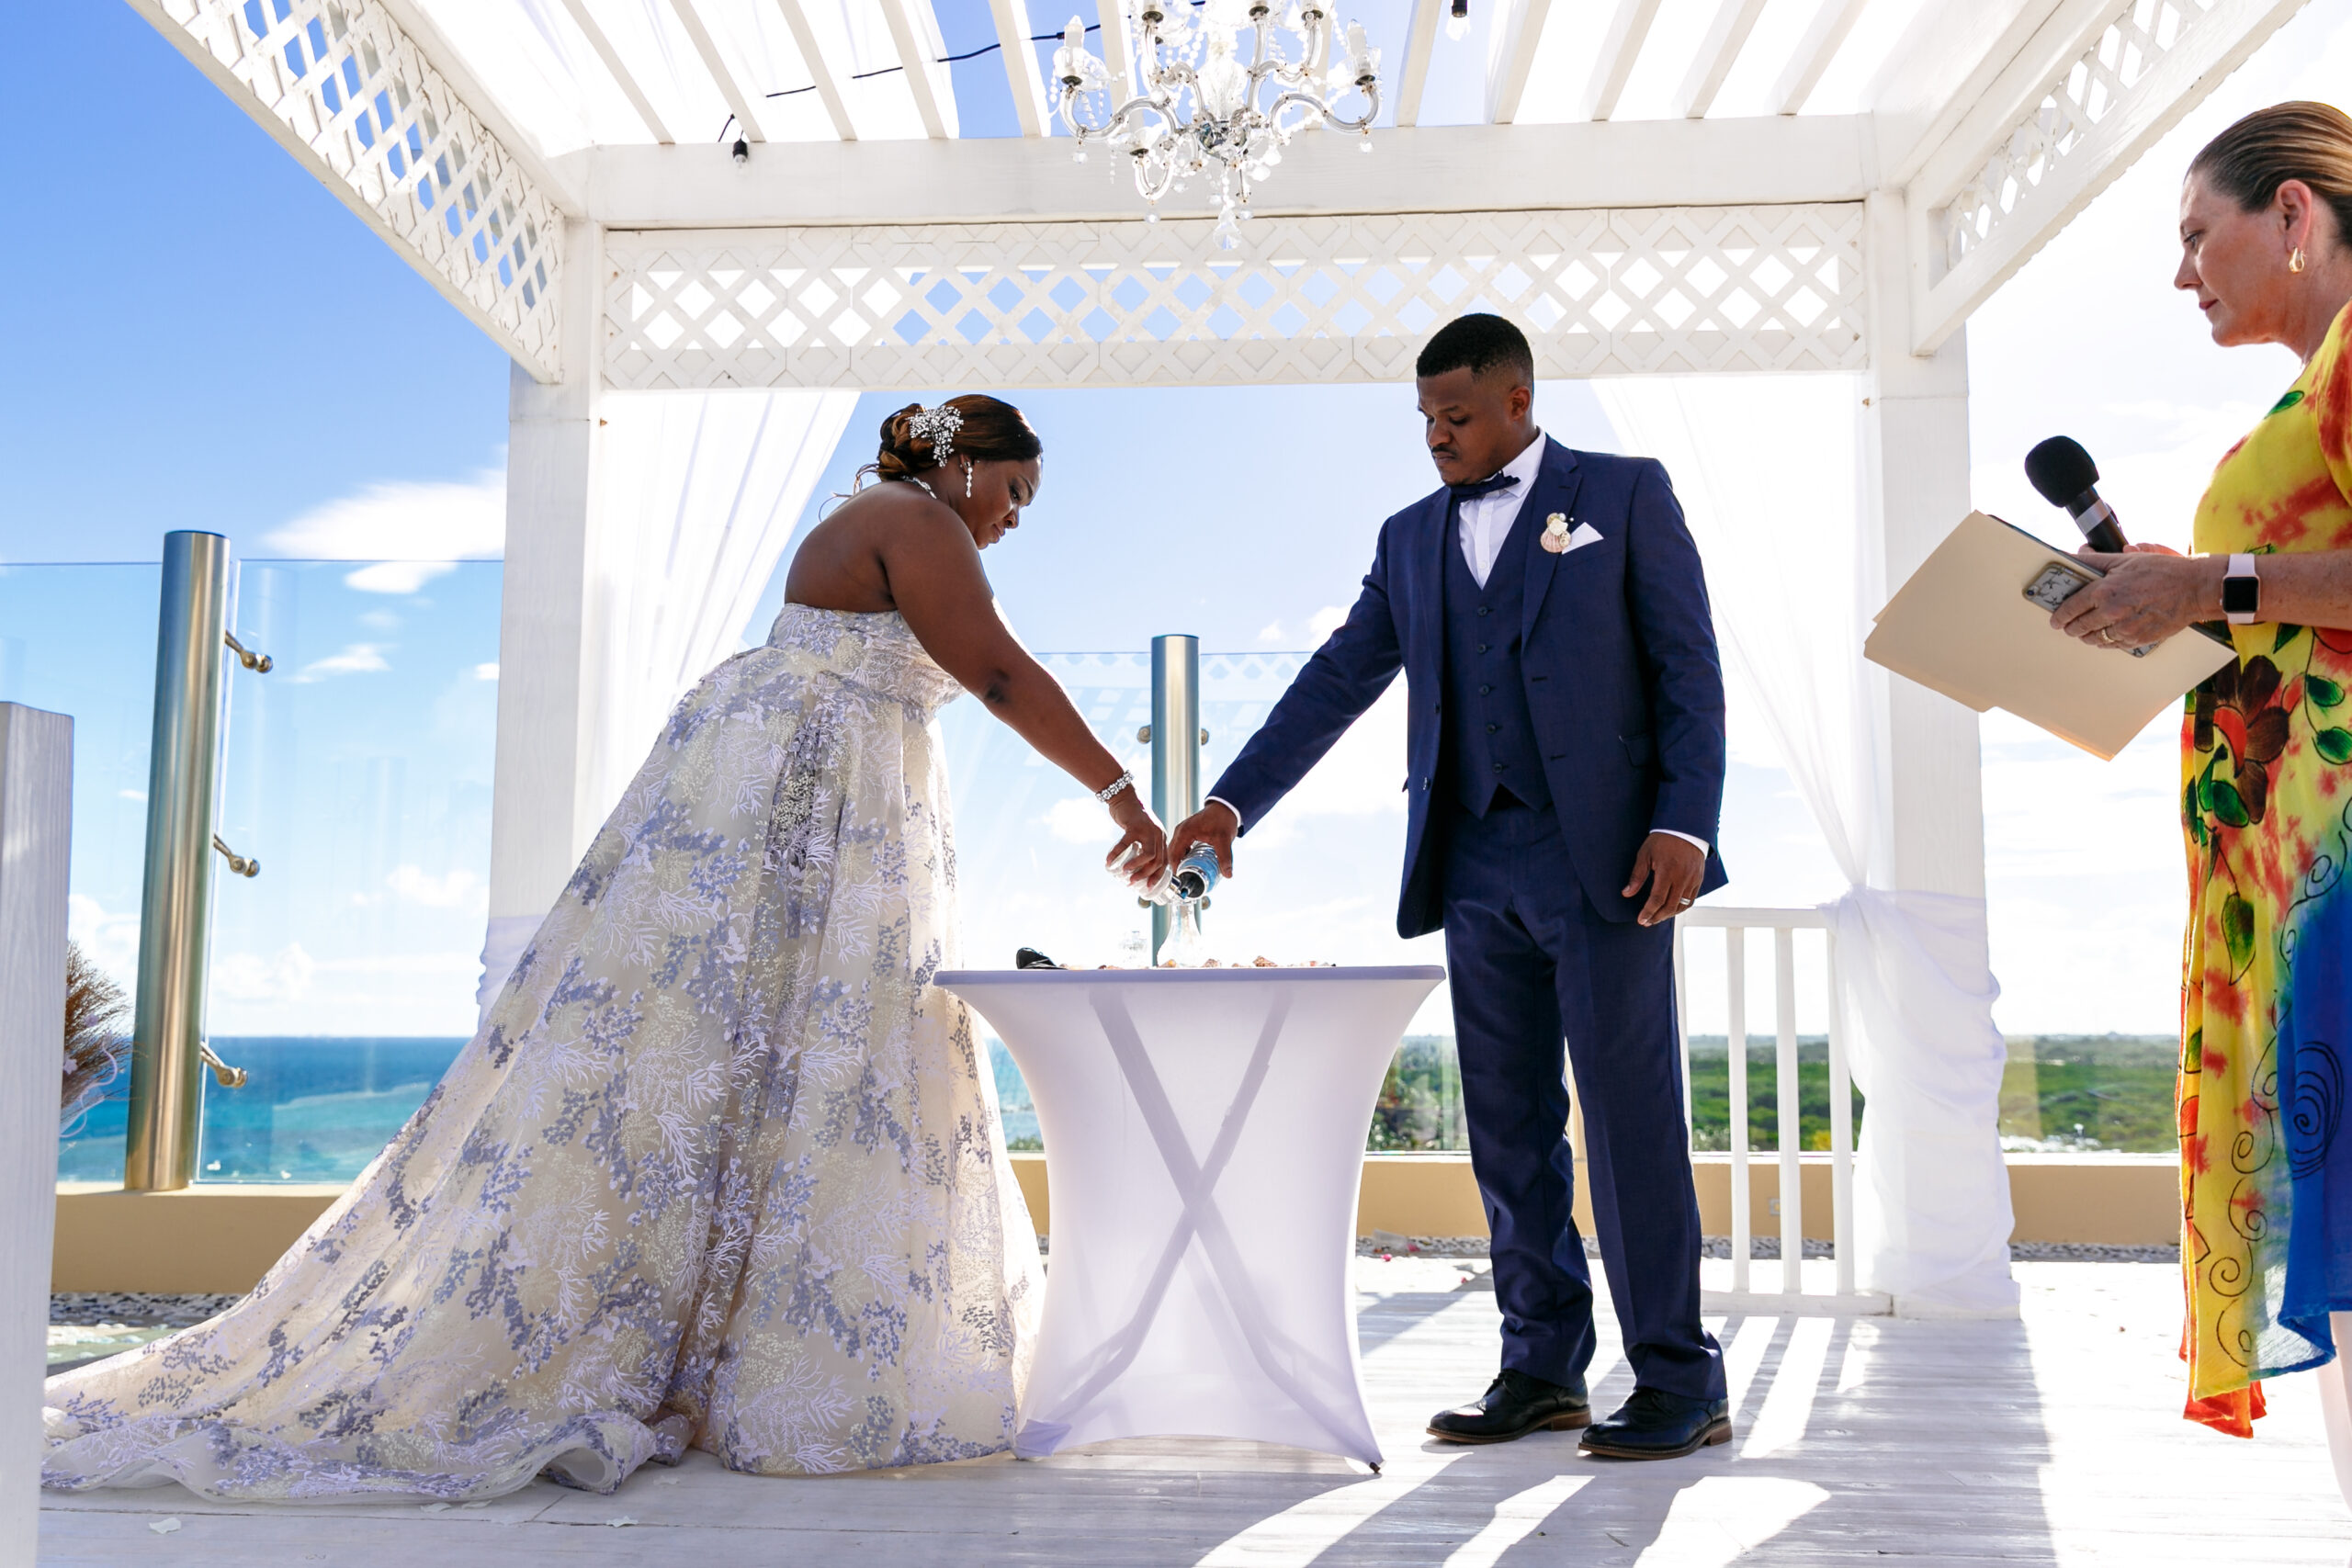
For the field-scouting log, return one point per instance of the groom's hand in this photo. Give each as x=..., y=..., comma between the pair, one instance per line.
x=1673, y=868
x=1214, y=825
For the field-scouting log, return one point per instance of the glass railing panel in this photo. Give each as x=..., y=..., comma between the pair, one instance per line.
x=358, y=772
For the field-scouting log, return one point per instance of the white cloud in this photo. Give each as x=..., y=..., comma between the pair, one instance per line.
x=1271, y=634
x=284, y=976
x=112, y=941
x=468, y=964
x=486, y=672
x=1076, y=820
x=455, y=890
x=397, y=575
x=1324, y=622
x=137, y=794
x=1361, y=776
x=358, y=658
x=404, y=521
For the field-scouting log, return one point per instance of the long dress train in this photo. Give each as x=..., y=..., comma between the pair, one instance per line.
x=721, y=1169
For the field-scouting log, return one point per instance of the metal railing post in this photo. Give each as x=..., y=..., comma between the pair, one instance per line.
x=1175, y=746
x=175, y=905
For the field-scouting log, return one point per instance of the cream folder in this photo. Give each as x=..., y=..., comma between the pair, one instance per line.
x=1964, y=626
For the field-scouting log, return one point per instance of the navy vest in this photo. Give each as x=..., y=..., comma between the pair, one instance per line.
x=1489, y=735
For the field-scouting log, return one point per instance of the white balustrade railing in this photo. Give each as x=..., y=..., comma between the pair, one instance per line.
x=1735, y=923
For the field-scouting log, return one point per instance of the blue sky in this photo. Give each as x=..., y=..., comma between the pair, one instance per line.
x=224, y=346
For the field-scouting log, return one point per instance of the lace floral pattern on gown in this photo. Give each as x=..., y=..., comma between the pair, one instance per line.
x=721, y=1169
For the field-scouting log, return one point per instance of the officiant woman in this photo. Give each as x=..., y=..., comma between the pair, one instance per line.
x=2267, y=780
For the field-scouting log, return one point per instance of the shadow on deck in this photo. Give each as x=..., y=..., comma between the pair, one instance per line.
x=2056, y=1439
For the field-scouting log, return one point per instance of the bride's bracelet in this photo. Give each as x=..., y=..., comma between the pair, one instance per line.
x=1124, y=781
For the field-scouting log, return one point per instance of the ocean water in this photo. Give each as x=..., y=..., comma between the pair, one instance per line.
x=320, y=1109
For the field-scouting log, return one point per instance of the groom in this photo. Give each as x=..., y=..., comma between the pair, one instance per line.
x=1565, y=744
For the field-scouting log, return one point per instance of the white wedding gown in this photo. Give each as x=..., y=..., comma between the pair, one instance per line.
x=721, y=1170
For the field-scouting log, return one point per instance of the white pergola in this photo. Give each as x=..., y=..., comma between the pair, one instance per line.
x=552, y=167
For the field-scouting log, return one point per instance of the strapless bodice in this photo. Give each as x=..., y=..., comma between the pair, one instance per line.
x=873, y=650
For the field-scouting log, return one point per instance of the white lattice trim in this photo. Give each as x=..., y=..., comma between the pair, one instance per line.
x=1345, y=298
x=344, y=86
x=2090, y=89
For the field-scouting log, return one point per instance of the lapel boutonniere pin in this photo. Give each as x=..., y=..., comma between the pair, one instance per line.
x=1555, y=532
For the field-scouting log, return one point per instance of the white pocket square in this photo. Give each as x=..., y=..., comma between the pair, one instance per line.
x=1586, y=533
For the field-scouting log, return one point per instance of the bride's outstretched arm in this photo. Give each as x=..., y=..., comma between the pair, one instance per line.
x=938, y=584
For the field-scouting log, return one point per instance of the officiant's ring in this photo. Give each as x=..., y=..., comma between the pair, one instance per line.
x=2107, y=635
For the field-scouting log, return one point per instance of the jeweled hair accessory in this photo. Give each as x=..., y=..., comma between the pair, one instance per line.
x=938, y=426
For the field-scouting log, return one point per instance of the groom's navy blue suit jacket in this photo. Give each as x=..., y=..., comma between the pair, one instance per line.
x=1617, y=658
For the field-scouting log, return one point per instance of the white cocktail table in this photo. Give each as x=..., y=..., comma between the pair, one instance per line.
x=1203, y=1133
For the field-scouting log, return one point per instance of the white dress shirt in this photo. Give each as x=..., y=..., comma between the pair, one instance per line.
x=1486, y=521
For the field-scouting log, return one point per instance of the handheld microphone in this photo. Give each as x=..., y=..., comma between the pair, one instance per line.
x=2066, y=476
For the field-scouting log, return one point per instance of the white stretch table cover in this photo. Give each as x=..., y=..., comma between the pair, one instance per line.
x=1204, y=1132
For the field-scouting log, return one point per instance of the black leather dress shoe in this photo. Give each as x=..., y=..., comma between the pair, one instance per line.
x=1513, y=1406
x=1658, y=1424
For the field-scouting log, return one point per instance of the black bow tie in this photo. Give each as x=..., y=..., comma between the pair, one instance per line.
x=1485, y=486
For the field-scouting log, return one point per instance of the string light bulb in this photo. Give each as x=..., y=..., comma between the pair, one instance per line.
x=1457, y=24
x=741, y=152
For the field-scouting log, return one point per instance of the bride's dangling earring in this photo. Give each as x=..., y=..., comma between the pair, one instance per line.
x=968, y=478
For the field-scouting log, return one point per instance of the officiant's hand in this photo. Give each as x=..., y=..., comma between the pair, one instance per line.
x=1214, y=825
x=1143, y=844
x=2148, y=593
x=1673, y=868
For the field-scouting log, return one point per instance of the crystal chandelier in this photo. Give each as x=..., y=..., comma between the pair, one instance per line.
x=1203, y=111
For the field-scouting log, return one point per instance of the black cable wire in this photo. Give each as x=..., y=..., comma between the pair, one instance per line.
x=944, y=60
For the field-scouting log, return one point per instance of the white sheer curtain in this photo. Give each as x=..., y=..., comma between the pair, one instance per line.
x=699, y=494
x=1766, y=471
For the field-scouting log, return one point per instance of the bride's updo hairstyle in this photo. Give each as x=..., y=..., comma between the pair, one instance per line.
x=992, y=431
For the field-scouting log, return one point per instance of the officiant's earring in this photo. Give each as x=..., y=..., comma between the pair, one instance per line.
x=968, y=478
x=2295, y=262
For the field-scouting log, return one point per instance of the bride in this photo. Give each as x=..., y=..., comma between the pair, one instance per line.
x=721, y=1169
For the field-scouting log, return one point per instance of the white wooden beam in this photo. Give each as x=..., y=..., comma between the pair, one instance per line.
x=1518, y=32
x=450, y=63
x=556, y=580
x=739, y=102
x=1815, y=51
x=914, y=30
x=2067, y=174
x=36, y=833
x=831, y=75
x=1021, y=74
x=618, y=69
x=1463, y=168
x=2068, y=30
x=1940, y=70
x=1629, y=29
x=1727, y=36
x=1118, y=49
x=1944, y=1167
x=505, y=281
x=1420, y=43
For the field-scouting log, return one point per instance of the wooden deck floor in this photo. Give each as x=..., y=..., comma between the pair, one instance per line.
x=2054, y=1440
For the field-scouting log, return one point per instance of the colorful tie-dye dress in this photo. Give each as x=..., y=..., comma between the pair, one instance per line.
x=2266, y=1181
